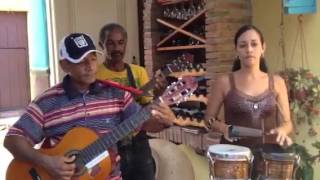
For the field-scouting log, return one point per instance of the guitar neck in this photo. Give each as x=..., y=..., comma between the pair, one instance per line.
x=173, y=94
x=109, y=139
x=150, y=84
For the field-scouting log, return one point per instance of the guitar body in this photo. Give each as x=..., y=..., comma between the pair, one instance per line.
x=76, y=139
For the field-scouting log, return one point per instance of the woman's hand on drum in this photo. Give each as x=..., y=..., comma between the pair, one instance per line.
x=282, y=138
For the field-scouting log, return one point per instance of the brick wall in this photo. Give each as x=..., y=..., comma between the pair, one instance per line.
x=151, y=34
x=223, y=18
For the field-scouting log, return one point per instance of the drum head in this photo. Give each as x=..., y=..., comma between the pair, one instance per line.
x=280, y=156
x=230, y=152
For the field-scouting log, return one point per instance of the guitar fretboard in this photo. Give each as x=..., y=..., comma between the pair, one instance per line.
x=150, y=84
x=108, y=140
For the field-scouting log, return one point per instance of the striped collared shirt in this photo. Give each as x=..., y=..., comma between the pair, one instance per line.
x=62, y=107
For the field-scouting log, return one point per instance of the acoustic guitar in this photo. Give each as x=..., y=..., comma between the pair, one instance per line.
x=92, y=158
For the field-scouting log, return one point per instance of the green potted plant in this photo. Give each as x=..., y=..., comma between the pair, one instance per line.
x=304, y=97
x=304, y=94
x=305, y=170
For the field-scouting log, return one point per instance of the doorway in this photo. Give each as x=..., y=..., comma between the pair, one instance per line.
x=14, y=65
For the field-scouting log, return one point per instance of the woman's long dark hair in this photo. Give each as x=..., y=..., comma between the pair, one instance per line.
x=237, y=64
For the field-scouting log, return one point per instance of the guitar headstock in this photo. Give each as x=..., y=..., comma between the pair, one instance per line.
x=178, y=91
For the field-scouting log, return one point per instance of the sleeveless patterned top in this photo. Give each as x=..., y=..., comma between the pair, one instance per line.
x=258, y=112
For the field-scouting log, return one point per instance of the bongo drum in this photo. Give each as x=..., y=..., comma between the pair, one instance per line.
x=281, y=166
x=229, y=162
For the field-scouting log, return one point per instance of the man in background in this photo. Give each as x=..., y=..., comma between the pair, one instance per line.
x=136, y=158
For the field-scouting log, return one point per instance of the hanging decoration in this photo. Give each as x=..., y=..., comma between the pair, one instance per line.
x=299, y=6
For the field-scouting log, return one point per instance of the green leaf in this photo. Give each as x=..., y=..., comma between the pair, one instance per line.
x=316, y=145
x=307, y=172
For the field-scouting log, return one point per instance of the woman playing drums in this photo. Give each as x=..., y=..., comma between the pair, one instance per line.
x=251, y=97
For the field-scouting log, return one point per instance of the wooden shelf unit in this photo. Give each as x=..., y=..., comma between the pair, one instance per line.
x=174, y=48
x=184, y=31
x=180, y=29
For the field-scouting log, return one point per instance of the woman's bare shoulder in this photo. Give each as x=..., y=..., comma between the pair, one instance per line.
x=221, y=83
x=222, y=79
x=279, y=83
x=278, y=79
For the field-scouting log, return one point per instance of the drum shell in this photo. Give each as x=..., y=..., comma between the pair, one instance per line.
x=229, y=164
x=230, y=169
x=279, y=165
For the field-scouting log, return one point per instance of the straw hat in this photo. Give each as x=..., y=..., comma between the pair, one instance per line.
x=171, y=162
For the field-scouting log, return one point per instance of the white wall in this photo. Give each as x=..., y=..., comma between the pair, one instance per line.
x=131, y=17
x=267, y=16
x=14, y=5
x=90, y=15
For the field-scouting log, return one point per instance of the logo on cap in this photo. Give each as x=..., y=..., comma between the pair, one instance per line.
x=80, y=41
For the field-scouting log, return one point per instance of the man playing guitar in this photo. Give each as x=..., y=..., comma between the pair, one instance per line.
x=78, y=101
